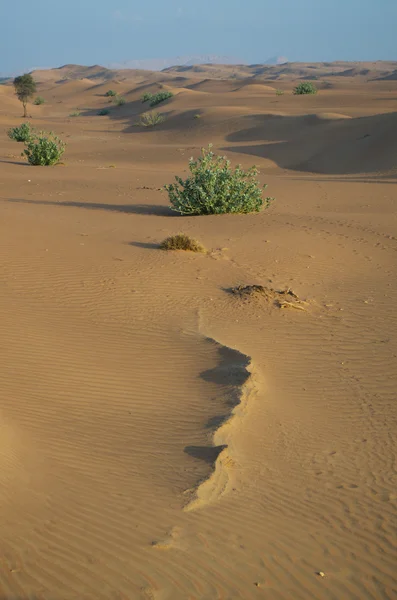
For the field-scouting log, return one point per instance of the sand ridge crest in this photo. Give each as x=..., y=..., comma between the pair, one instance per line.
x=234, y=371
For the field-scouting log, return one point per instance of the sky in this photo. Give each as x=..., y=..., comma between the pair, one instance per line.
x=50, y=33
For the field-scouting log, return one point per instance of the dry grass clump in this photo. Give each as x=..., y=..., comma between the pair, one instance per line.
x=151, y=119
x=182, y=242
x=280, y=298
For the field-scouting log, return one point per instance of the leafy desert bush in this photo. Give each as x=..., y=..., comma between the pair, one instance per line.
x=279, y=93
x=214, y=188
x=21, y=133
x=146, y=97
x=159, y=97
x=39, y=100
x=119, y=101
x=75, y=113
x=182, y=242
x=44, y=149
x=305, y=88
x=103, y=112
x=111, y=93
x=151, y=119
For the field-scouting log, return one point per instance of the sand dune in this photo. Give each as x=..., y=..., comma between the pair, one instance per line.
x=336, y=144
x=160, y=437
x=255, y=88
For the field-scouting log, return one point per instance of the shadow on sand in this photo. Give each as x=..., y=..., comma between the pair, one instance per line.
x=208, y=454
x=135, y=209
x=147, y=245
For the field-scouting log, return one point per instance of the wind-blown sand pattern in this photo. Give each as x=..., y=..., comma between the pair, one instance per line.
x=160, y=437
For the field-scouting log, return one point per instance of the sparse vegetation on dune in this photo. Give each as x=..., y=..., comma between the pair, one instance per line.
x=111, y=93
x=279, y=92
x=155, y=99
x=215, y=188
x=21, y=133
x=39, y=100
x=103, y=112
x=44, y=149
x=306, y=87
x=119, y=100
x=146, y=97
x=182, y=241
x=160, y=97
x=151, y=119
x=75, y=113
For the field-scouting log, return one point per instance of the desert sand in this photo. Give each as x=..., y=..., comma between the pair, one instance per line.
x=162, y=438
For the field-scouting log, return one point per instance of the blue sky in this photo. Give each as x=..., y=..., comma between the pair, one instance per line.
x=51, y=32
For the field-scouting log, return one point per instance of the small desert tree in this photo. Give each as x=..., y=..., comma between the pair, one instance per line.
x=25, y=87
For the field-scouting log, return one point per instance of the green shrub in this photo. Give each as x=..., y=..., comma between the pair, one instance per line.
x=279, y=93
x=305, y=88
x=151, y=119
x=119, y=101
x=21, y=133
x=39, y=100
x=103, y=112
x=111, y=93
x=182, y=241
x=44, y=149
x=214, y=188
x=146, y=97
x=75, y=113
x=159, y=97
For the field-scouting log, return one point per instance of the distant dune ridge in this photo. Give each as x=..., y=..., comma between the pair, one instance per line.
x=274, y=67
x=378, y=70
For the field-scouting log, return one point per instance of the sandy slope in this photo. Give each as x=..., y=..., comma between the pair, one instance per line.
x=160, y=437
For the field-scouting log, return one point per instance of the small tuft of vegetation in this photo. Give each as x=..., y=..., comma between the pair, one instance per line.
x=197, y=116
x=39, y=100
x=110, y=93
x=119, y=100
x=215, y=188
x=103, y=112
x=305, y=87
x=279, y=92
x=151, y=119
x=182, y=242
x=159, y=97
x=75, y=113
x=21, y=133
x=44, y=149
